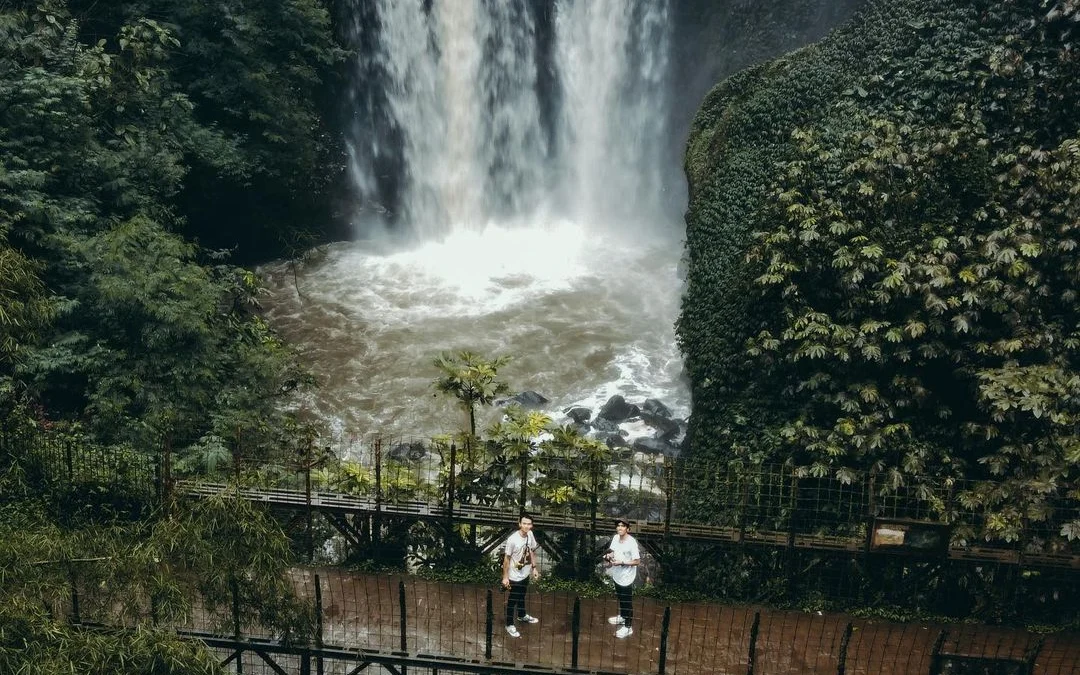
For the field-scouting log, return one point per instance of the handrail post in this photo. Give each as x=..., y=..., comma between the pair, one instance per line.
x=871, y=510
x=309, y=536
x=166, y=472
x=451, y=485
x=376, y=525
x=669, y=474
x=318, y=625
x=595, y=498
x=234, y=586
x=575, y=632
x=401, y=607
x=489, y=627
x=744, y=503
x=237, y=458
x=791, y=524
x=841, y=666
x=754, y=628
x=664, y=631
x=75, y=616
x=523, y=497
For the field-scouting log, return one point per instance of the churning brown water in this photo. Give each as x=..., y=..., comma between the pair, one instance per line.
x=584, y=313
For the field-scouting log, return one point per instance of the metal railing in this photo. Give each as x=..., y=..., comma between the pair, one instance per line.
x=411, y=622
x=727, y=502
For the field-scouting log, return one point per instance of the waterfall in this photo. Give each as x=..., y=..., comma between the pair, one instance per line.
x=612, y=58
x=448, y=100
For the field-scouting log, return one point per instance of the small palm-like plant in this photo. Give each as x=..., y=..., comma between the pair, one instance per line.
x=471, y=379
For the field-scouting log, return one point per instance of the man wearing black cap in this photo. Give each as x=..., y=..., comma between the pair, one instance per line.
x=623, y=559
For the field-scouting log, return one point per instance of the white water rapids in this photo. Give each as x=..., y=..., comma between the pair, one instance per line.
x=512, y=231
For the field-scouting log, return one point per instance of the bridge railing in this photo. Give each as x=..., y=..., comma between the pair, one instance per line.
x=765, y=501
x=405, y=620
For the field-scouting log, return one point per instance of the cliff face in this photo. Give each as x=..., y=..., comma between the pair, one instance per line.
x=880, y=242
x=717, y=38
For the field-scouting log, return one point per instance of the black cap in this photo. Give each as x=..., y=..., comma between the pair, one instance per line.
x=620, y=521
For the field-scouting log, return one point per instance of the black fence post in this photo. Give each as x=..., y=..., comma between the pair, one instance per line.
x=309, y=536
x=935, y=653
x=75, y=617
x=166, y=472
x=234, y=586
x=376, y=525
x=237, y=457
x=523, y=497
x=401, y=607
x=753, y=643
x=575, y=632
x=595, y=498
x=744, y=503
x=665, y=629
x=69, y=465
x=451, y=485
x=318, y=625
x=791, y=525
x=669, y=475
x=489, y=628
x=841, y=666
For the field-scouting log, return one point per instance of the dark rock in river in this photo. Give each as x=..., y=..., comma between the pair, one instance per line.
x=579, y=414
x=603, y=425
x=530, y=400
x=666, y=427
x=655, y=407
x=618, y=410
x=407, y=452
x=655, y=446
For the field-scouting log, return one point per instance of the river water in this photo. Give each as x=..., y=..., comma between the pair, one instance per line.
x=512, y=198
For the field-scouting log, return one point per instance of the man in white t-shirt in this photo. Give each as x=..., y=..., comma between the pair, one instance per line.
x=623, y=559
x=518, y=565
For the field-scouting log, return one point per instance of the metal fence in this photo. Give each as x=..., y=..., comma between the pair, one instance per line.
x=757, y=503
x=404, y=622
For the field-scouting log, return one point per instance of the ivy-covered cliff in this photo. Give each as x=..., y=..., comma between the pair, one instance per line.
x=882, y=263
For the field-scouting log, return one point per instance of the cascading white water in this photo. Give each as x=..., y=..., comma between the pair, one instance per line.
x=518, y=154
x=612, y=56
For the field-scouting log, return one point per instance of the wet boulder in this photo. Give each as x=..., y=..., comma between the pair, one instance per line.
x=656, y=446
x=618, y=410
x=407, y=452
x=580, y=414
x=666, y=427
x=655, y=407
x=530, y=400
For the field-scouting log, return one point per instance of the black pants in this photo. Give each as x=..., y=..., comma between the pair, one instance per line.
x=515, y=602
x=625, y=594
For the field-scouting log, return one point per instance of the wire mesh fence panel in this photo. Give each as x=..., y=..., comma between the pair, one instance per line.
x=709, y=638
x=1059, y=654
x=878, y=648
x=448, y=619
x=830, y=507
x=791, y=642
x=988, y=642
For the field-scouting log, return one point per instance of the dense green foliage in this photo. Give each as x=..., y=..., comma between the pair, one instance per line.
x=123, y=568
x=118, y=328
x=110, y=317
x=882, y=257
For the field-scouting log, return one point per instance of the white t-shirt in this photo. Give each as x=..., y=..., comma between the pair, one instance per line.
x=517, y=548
x=625, y=551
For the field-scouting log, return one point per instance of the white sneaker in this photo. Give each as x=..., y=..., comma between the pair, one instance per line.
x=616, y=620
x=624, y=631
x=528, y=618
x=512, y=631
